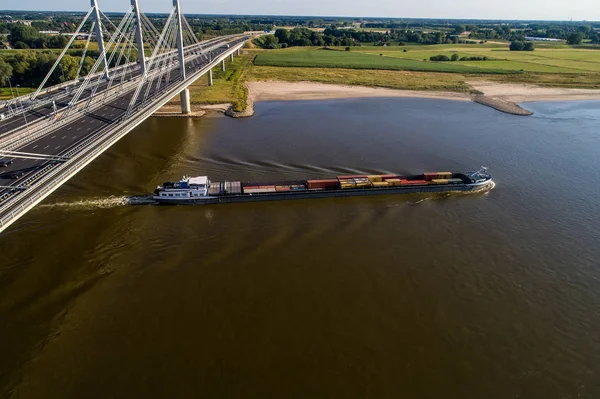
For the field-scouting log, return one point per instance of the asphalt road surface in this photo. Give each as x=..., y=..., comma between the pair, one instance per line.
x=70, y=135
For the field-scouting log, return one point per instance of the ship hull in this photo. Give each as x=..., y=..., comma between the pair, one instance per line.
x=314, y=194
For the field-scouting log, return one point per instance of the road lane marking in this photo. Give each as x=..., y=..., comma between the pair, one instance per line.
x=46, y=147
x=34, y=147
x=64, y=137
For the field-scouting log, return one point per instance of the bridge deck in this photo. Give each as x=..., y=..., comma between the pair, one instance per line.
x=75, y=136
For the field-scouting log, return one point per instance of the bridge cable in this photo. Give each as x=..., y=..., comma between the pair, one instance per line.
x=37, y=92
x=87, y=45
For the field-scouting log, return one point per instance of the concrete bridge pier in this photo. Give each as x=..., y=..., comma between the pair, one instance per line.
x=210, y=78
x=237, y=52
x=231, y=57
x=223, y=65
x=185, y=101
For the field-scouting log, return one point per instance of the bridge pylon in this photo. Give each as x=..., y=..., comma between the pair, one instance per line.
x=138, y=35
x=185, y=94
x=99, y=35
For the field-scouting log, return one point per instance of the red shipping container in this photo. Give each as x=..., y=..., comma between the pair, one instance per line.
x=388, y=176
x=251, y=187
x=282, y=188
x=409, y=182
x=352, y=177
x=312, y=184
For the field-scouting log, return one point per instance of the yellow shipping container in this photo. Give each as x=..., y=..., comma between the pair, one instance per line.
x=445, y=174
x=394, y=182
x=375, y=179
x=381, y=184
x=440, y=181
x=347, y=185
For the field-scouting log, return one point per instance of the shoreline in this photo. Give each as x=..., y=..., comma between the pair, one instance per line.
x=503, y=97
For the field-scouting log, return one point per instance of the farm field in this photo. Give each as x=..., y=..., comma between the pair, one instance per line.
x=319, y=58
x=545, y=59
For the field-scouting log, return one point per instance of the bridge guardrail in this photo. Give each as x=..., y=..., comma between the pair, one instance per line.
x=49, y=123
x=65, y=171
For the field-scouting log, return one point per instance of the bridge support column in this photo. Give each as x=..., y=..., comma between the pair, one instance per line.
x=100, y=36
x=231, y=57
x=138, y=36
x=237, y=52
x=179, y=39
x=223, y=65
x=185, y=101
x=210, y=78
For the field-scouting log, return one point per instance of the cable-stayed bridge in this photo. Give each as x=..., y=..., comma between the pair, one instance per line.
x=48, y=136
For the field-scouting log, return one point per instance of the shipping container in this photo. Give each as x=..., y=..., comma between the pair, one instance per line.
x=235, y=187
x=376, y=178
x=455, y=181
x=394, y=182
x=353, y=177
x=282, y=188
x=413, y=182
x=322, y=184
x=259, y=190
x=439, y=181
x=385, y=177
x=381, y=184
x=215, y=189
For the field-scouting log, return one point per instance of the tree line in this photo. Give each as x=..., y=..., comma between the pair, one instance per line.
x=28, y=68
x=21, y=36
x=332, y=36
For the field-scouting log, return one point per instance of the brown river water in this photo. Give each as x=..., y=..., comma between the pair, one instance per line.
x=490, y=295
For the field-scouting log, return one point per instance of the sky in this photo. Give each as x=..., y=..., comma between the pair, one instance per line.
x=451, y=9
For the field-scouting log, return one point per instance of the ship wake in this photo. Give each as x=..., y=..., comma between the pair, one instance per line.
x=103, y=203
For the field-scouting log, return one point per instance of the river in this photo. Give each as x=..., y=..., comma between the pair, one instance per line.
x=493, y=295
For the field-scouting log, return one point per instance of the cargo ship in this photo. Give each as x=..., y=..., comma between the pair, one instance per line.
x=200, y=190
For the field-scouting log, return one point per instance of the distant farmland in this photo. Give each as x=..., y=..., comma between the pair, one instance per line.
x=318, y=58
x=545, y=59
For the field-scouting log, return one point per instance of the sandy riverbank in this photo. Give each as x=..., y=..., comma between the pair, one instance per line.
x=287, y=91
x=503, y=97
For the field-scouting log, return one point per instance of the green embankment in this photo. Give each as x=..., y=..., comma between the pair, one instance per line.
x=229, y=85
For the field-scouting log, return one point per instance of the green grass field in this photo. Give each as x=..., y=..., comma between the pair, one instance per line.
x=547, y=58
x=6, y=94
x=318, y=58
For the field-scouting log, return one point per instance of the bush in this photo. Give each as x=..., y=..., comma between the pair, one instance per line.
x=20, y=46
x=474, y=59
x=521, y=46
x=439, y=58
x=347, y=48
x=455, y=57
x=405, y=51
x=575, y=38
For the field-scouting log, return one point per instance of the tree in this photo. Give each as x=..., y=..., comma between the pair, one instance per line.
x=270, y=42
x=517, y=46
x=20, y=46
x=439, y=58
x=458, y=29
x=455, y=57
x=22, y=33
x=528, y=46
x=5, y=73
x=283, y=35
x=575, y=38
